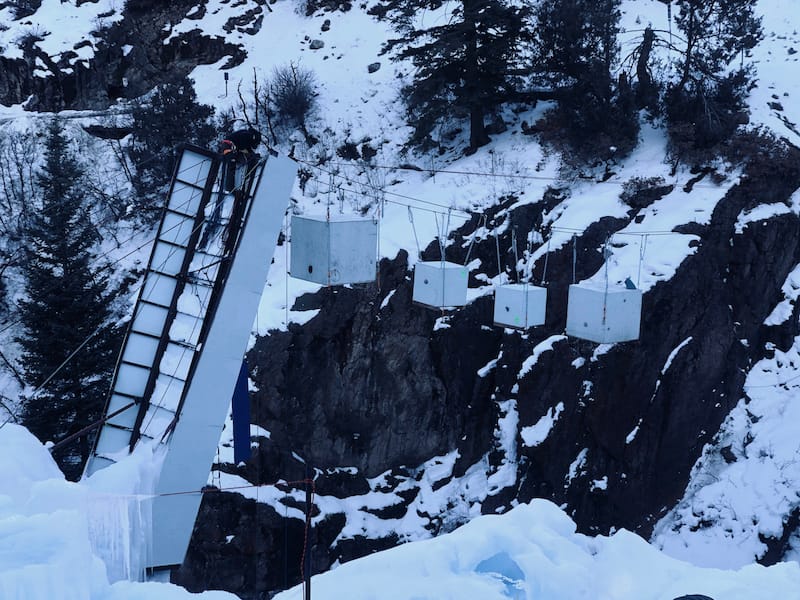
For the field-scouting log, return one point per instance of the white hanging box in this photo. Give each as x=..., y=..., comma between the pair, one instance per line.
x=335, y=251
x=604, y=316
x=519, y=305
x=440, y=284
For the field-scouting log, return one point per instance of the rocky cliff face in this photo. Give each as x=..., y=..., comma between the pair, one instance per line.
x=374, y=387
x=130, y=56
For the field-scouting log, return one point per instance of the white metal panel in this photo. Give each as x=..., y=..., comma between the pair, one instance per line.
x=176, y=361
x=98, y=462
x=354, y=247
x=186, y=329
x=177, y=228
x=167, y=259
x=195, y=302
x=310, y=249
x=150, y=319
x=604, y=316
x=440, y=284
x=159, y=289
x=115, y=403
x=140, y=349
x=185, y=199
x=193, y=168
x=111, y=441
x=519, y=305
x=196, y=436
x=167, y=392
x=131, y=380
x=156, y=421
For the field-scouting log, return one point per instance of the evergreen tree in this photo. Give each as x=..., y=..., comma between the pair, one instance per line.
x=577, y=41
x=466, y=66
x=66, y=309
x=169, y=117
x=575, y=53
x=706, y=101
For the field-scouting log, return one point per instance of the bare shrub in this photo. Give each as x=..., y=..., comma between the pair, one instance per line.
x=19, y=155
x=292, y=94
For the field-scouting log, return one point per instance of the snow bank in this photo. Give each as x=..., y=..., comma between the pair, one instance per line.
x=534, y=552
x=65, y=541
x=46, y=551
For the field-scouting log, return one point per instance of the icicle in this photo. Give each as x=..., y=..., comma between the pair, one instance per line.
x=119, y=533
x=120, y=513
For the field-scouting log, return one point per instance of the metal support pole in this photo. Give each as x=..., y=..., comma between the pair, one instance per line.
x=307, y=541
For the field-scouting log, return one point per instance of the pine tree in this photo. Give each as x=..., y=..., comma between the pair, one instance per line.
x=576, y=41
x=66, y=308
x=706, y=101
x=466, y=66
x=575, y=54
x=170, y=116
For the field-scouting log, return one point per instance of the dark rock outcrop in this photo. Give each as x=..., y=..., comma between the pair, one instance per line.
x=357, y=384
x=112, y=74
x=241, y=546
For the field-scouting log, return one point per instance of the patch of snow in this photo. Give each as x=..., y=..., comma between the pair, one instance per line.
x=489, y=367
x=442, y=323
x=633, y=433
x=600, y=350
x=540, y=348
x=577, y=465
x=534, y=551
x=674, y=353
x=535, y=434
x=75, y=540
x=61, y=25
x=791, y=289
x=506, y=436
x=385, y=301
x=761, y=213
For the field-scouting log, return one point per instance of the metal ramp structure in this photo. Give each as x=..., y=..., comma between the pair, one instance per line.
x=190, y=327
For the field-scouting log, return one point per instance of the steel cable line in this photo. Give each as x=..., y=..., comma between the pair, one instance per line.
x=576, y=230
x=373, y=187
x=471, y=215
x=276, y=483
x=466, y=216
x=435, y=171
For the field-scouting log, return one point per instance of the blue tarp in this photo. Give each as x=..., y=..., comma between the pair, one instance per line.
x=241, y=417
